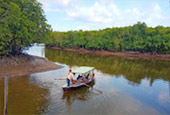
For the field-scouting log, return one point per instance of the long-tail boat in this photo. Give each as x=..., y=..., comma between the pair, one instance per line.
x=84, y=76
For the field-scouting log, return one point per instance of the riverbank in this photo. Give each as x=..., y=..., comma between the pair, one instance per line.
x=129, y=55
x=25, y=64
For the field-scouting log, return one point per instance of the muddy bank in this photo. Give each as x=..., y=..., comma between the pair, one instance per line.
x=24, y=65
x=130, y=55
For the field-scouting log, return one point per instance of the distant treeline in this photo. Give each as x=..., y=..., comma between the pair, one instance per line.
x=138, y=38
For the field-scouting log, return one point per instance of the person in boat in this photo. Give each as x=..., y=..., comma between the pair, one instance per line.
x=93, y=75
x=80, y=76
x=87, y=77
x=70, y=78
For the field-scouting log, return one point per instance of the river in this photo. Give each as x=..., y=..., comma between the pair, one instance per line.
x=129, y=86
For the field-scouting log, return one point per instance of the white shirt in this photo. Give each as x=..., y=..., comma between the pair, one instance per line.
x=70, y=76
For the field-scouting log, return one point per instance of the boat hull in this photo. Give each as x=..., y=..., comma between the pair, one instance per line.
x=70, y=88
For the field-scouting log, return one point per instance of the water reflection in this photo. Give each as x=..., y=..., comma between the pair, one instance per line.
x=143, y=85
x=58, y=102
x=135, y=87
x=23, y=97
x=82, y=94
x=169, y=90
x=133, y=70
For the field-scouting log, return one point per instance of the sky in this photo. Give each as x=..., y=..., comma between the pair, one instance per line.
x=66, y=15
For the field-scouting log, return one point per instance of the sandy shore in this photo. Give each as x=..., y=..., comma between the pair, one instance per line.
x=130, y=55
x=24, y=65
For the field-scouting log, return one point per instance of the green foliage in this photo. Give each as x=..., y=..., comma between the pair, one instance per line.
x=133, y=70
x=138, y=37
x=21, y=23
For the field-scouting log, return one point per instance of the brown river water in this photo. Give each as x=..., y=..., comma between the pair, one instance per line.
x=133, y=87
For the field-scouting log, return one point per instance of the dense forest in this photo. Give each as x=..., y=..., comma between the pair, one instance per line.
x=138, y=38
x=22, y=22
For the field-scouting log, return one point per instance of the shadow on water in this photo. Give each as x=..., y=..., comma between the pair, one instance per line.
x=82, y=94
x=133, y=70
x=23, y=97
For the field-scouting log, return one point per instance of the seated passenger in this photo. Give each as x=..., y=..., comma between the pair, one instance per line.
x=79, y=77
x=87, y=77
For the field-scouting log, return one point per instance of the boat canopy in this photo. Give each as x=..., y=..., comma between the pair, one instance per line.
x=83, y=70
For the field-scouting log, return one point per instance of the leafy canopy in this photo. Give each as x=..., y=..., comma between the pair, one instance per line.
x=22, y=22
x=138, y=38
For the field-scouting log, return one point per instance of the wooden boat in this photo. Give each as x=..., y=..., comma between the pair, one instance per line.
x=84, y=75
